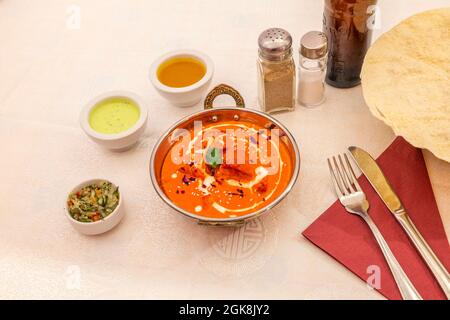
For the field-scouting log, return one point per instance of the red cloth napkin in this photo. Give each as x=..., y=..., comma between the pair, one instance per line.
x=348, y=239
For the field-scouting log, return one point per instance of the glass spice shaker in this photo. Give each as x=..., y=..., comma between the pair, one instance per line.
x=312, y=69
x=276, y=71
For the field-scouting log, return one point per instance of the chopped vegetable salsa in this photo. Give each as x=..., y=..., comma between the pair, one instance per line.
x=93, y=202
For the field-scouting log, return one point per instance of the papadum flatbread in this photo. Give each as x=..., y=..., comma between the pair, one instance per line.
x=406, y=80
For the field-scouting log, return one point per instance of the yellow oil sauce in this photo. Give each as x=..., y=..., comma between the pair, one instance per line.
x=181, y=72
x=114, y=115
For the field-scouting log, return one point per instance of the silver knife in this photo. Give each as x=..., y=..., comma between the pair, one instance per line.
x=379, y=182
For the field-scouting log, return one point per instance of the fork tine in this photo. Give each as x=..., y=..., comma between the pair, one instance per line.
x=337, y=187
x=347, y=175
x=342, y=179
x=350, y=168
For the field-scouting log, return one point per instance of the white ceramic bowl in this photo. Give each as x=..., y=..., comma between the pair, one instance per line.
x=118, y=141
x=101, y=226
x=185, y=96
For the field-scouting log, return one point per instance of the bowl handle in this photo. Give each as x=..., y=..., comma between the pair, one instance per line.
x=223, y=89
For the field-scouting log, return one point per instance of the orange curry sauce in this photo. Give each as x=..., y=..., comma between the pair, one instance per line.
x=231, y=188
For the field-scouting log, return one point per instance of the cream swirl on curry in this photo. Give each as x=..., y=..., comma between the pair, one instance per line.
x=226, y=170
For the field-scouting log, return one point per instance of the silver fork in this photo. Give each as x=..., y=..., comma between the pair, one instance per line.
x=354, y=200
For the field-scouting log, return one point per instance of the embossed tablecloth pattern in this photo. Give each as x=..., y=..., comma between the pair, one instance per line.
x=51, y=63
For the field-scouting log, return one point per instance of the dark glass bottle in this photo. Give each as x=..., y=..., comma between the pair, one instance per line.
x=347, y=26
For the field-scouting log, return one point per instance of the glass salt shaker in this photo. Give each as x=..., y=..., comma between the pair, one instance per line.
x=276, y=71
x=312, y=69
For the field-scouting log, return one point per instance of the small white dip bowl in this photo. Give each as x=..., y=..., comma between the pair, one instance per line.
x=100, y=226
x=184, y=96
x=116, y=141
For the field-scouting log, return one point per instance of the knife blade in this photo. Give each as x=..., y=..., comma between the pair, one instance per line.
x=384, y=189
x=377, y=179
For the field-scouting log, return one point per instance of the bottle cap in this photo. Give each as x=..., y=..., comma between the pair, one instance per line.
x=314, y=45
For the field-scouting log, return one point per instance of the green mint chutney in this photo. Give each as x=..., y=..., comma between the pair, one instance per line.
x=114, y=115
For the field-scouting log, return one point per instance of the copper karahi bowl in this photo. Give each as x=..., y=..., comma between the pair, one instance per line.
x=217, y=115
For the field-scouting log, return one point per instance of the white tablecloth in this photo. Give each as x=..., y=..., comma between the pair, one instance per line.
x=52, y=63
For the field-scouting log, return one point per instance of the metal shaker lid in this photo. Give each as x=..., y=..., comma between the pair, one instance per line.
x=275, y=44
x=314, y=45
